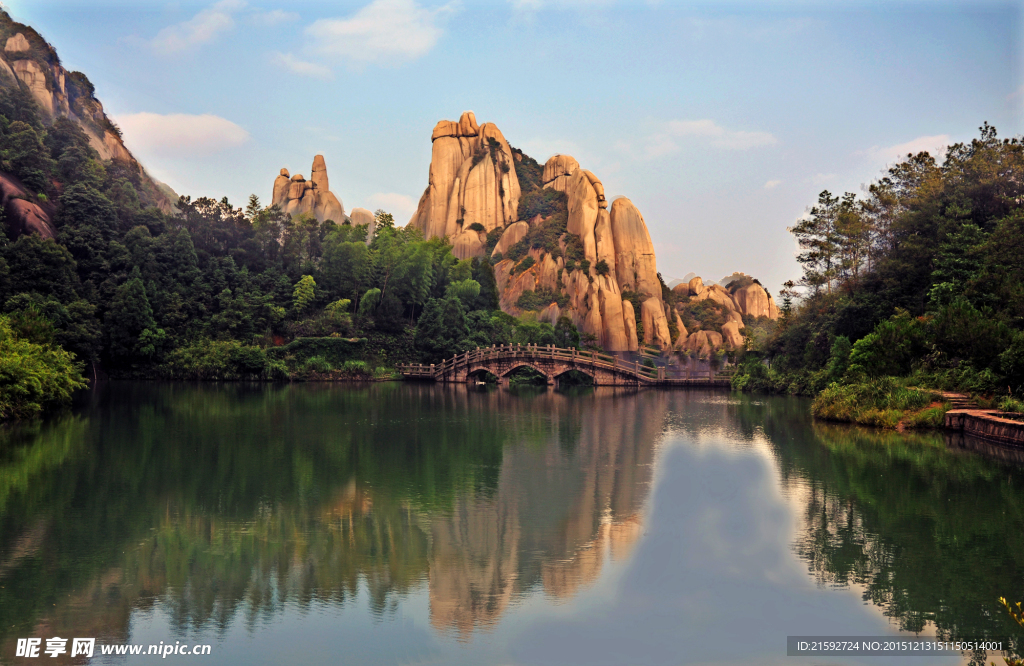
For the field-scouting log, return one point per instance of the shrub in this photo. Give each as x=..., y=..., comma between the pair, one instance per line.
x=221, y=360
x=880, y=402
x=523, y=265
x=476, y=226
x=33, y=376
x=541, y=298
x=356, y=368
x=318, y=364
x=602, y=268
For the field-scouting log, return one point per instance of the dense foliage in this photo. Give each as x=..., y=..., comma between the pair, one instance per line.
x=922, y=279
x=211, y=291
x=35, y=374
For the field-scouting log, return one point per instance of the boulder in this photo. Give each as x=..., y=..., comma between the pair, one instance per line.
x=681, y=290
x=752, y=300
x=469, y=244
x=16, y=44
x=557, y=166
x=23, y=217
x=319, y=173
x=703, y=342
x=695, y=286
x=512, y=235
x=731, y=334
x=652, y=314
x=681, y=336
x=635, y=265
x=361, y=216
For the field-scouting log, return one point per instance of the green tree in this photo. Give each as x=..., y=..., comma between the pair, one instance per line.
x=129, y=316
x=442, y=329
x=304, y=294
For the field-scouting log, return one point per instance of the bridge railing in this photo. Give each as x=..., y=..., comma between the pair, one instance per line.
x=593, y=359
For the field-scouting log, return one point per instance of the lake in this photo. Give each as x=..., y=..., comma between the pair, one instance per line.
x=411, y=523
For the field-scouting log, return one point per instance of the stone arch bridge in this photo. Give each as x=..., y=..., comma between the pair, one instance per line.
x=554, y=362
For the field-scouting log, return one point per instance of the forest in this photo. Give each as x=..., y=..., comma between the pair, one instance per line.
x=214, y=291
x=917, y=283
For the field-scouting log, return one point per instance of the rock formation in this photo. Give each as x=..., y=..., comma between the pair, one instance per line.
x=23, y=215
x=29, y=61
x=472, y=188
x=296, y=196
x=611, y=290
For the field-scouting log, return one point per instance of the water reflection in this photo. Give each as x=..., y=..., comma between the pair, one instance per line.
x=224, y=506
x=222, y=502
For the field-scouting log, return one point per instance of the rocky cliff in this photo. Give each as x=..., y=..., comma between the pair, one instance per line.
x=29, y=61
x=295, y=195
x=577, y=256
x=473, y=188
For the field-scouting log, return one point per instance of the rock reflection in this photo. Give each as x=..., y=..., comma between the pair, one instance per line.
x=560, y=506
x=217, y=504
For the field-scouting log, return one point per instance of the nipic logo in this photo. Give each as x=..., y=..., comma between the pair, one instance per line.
x=80, y=647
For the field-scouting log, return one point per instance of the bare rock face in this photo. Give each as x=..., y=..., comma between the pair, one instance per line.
x=472, y=180
x=680, y=341
x=296, y=196
x=16, y=44
x=704, y=342
x=23, y=217
x=731, y=334
x=718, y=294
x=681, y=290
x=754, y=300
x=513, y=234
x=634, y=252
x=695, y=286
x=655, y=324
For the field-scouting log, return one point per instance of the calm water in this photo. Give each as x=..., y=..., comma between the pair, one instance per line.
x=414, y=524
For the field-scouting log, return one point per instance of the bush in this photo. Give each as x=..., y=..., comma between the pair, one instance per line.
x=221, y=360
x=33, y=376
x=318, y=364
x=523, y=265
x=1010, y=404
x=541, y=298
x=879, y=402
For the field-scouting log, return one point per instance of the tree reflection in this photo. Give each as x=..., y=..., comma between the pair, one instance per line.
x=216, y=503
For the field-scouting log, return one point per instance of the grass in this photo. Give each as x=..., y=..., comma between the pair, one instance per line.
x=882, y=402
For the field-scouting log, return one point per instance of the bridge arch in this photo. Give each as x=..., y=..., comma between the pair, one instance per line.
x=572, y=373
x=520, y=364
x=481, y=373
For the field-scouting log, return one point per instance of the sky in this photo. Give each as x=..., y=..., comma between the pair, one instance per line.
x=721, y=121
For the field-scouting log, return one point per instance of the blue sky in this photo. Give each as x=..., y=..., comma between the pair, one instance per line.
x=721, y=121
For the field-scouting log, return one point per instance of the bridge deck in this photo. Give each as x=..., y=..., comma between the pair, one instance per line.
x=552, y=361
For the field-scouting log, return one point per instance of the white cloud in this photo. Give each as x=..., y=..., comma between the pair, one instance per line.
x=200, y=29
x=180, y=134
x=720, y=136
x=936, y=145
x=302, y=67
x=399, y=205
x=273, y=17
x=772, y=184
x=383, y=32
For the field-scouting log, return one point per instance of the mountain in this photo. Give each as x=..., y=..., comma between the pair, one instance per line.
x=558, y=248
x=28, y=64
